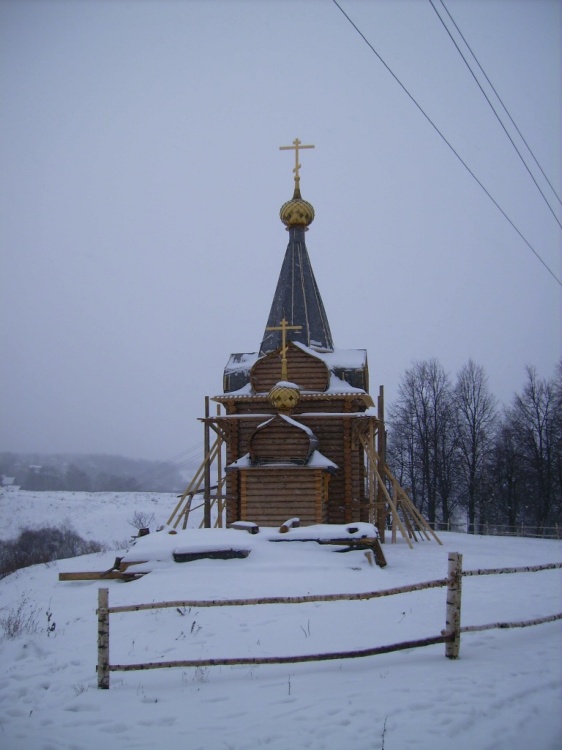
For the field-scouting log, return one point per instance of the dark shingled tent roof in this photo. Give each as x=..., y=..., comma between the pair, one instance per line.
x=298, y=300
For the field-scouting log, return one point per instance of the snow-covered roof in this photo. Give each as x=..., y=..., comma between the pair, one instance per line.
x=320, y=461
x=369, y=412
x=317, y=460
x=344, y=359
x=240, y=362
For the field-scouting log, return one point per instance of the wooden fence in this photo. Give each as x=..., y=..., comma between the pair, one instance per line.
x=450, y=636
x=494, y=529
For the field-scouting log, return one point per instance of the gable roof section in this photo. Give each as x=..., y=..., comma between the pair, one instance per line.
x=349, y=365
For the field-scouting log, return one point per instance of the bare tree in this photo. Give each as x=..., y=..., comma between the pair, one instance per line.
x=476, y=422
x=421, y=445
x=557, y=385
x=536, y=421
x=507, y=490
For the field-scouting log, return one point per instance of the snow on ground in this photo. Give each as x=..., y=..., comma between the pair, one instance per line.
x=504, y=692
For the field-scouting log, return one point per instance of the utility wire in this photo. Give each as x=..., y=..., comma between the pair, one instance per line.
x=494, y=110
x=164, y=468
x=146, y=477
x=501, y=102
x=434, y=126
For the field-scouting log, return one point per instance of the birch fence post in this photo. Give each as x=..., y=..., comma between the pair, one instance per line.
x=103, y=639
x=453, y=614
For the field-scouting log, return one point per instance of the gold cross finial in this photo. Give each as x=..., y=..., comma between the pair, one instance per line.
x=295, y=147
x=284, y=327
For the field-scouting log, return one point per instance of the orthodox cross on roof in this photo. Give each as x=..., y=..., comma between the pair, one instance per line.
x=284, y=327
x=295, y=147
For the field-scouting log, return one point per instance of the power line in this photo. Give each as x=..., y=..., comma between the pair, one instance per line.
x=147, y=477
x=493, y=108
x=501, y=102
x=164, y=468
x=434, y=126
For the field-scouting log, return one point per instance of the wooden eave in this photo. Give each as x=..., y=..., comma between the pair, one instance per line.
x=275, y=466
x=301, y=415
x=365, y=398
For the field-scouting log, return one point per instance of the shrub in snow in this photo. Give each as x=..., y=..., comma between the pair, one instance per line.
x=22, y=620
x=43, y=545
x=142, y=520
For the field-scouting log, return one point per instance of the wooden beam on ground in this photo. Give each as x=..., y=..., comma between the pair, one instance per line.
x=100, y=575
x=219, y=554
x=363, y=543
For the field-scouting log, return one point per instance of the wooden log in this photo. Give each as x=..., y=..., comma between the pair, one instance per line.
x=207, y=475
x=521, y=624
x=282, y=659
x=395, y=501
x=310, y=598
x=371, y=480
x=409, y=507
x=348, y=494
x=103, y=639
x=379, y=554
x=370, y=543
x=249, y=526
x=381, y=460
x=219, y=554
x=221, y=478
x=453, y=612
x=102, y=575
x=193, y=487
x=291, y=523
x=523, y=569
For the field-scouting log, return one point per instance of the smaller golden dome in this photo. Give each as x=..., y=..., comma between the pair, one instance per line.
x=296, y=213
x=284, y=396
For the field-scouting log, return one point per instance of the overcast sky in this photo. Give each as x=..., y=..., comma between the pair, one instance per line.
x=141, y=181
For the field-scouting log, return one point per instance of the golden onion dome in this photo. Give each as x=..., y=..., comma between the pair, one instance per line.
x=296, y=212
x=284, y=396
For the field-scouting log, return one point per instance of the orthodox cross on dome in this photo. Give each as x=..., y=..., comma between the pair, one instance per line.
x=284, y=327
x=295, y=147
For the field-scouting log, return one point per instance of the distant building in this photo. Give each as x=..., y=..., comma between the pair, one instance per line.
x=7, y=483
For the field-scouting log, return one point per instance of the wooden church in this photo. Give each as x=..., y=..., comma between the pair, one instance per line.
x=297, y=430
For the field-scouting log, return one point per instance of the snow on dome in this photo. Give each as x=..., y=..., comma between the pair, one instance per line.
x=287, y=384
x=300, y=425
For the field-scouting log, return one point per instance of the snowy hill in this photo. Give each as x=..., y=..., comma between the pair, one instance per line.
x=504, y=691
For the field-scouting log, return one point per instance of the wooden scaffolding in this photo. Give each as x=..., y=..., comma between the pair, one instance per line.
x=389, y=506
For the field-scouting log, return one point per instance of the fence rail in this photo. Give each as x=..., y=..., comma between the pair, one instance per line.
x=493, y=529
x=521, y=569
x=311, y=598
x=450, y=636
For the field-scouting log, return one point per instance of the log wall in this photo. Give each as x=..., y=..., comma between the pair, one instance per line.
x=346, y=499
x=275, y=494
x=280, y=441
x=308, y=372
